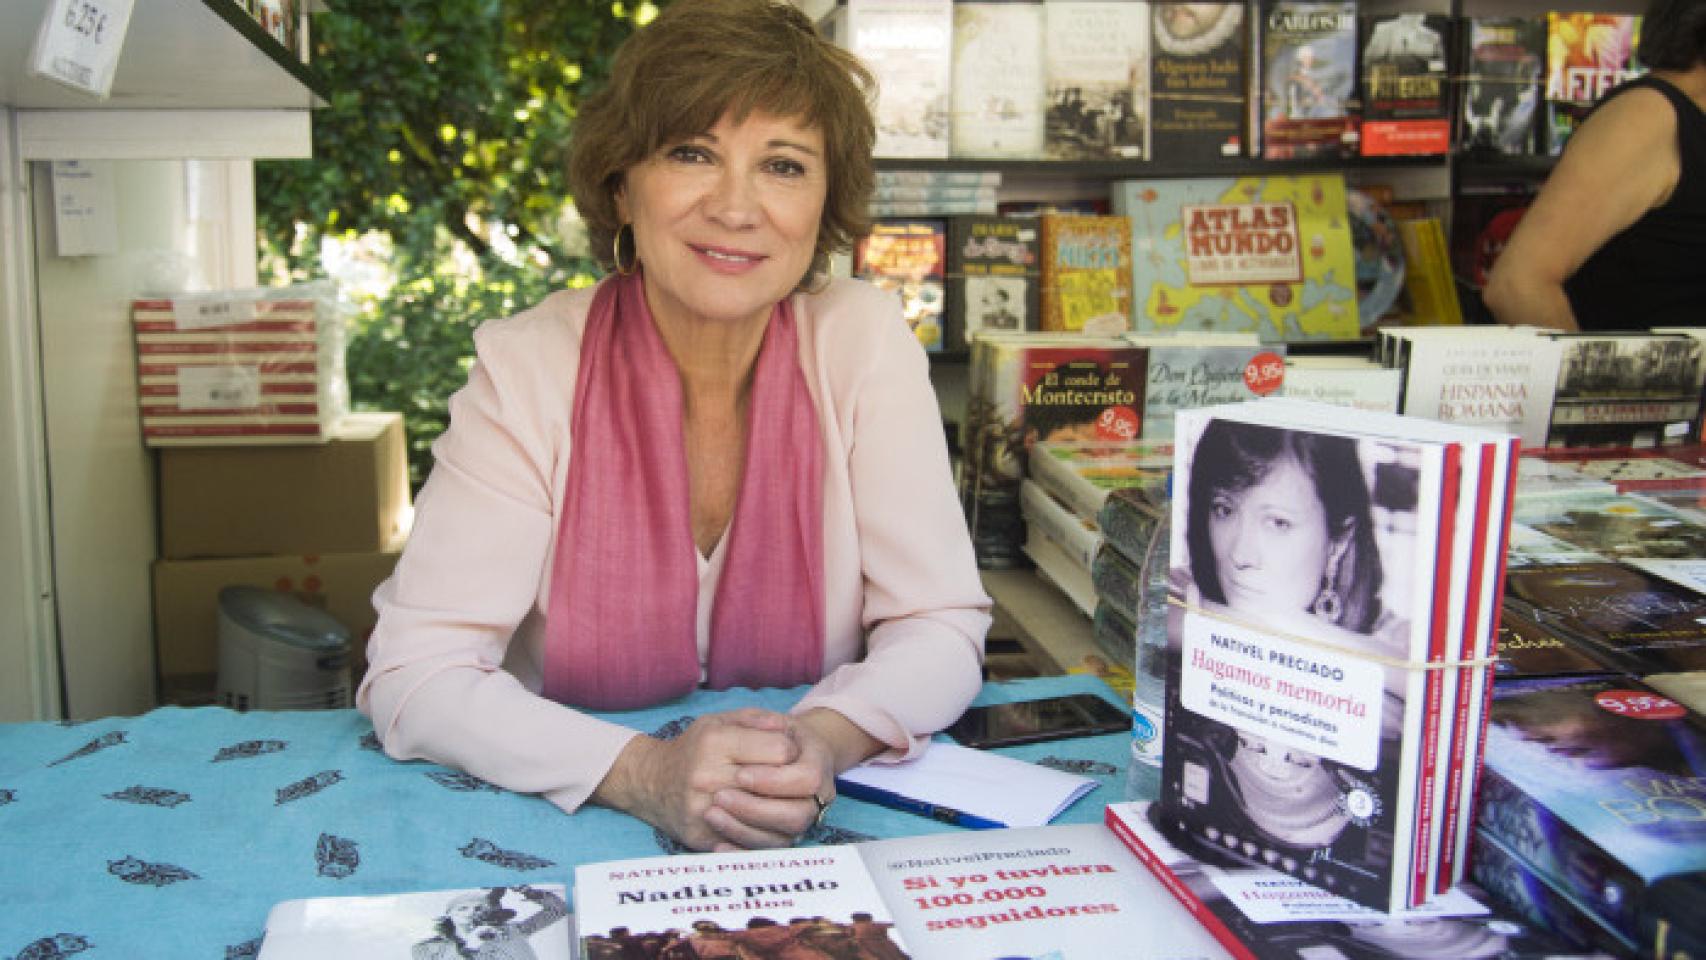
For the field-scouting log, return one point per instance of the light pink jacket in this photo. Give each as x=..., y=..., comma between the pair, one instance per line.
x=455, y=660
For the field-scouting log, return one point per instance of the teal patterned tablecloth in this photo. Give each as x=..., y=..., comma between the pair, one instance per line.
x=171, y=834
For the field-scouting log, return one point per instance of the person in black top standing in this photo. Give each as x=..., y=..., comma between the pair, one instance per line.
x=1616, y=239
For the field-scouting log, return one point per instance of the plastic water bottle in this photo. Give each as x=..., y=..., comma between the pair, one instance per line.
x=1149, y=694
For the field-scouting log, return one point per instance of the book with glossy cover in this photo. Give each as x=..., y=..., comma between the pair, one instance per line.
x=1631, y=619
x=1026, y=388
x=1505, y=64
x=754, y=901
x=1613, y=525
x=1086, y=272
x=1259, y=913
x=1587, y=54
x=1096, y=61
x=1404, y=74
x=909, y=257
x=1187, y=371
x=993, y=276
x=1596, y=784
x=1309, y=64
x=1269, y=255
x=999, y=85
x=908, y=46
x=519, y=921
x=1527, y=648
x=1500, y=381
x=1627, y=390
x=1198, y=87
x=1283, y=729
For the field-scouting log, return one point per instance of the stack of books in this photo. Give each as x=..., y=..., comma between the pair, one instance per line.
x=1336, y=583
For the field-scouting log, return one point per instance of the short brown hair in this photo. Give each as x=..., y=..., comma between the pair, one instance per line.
x=700, y=59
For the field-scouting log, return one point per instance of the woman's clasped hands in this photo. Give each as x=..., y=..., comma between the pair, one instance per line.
x=745, y=779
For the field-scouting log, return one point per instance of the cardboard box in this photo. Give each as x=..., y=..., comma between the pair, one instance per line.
x=348, y=495
x=186, y=617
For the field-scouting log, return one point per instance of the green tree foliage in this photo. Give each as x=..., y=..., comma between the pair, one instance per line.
x=442, y=153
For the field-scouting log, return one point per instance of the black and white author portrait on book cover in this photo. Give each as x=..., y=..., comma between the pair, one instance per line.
x=1291, y=749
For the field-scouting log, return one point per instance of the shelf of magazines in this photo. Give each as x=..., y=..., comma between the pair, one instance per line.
x=1161, y=169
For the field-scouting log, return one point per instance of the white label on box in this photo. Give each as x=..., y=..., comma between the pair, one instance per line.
x=219, y=388
x=79, y=43
x=199, y=313
x=1300, y=695
x=1272, y=897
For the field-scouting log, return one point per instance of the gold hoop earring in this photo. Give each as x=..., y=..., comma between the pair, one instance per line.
x=616, y=252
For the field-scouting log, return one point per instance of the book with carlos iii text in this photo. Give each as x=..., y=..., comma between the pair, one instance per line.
x=1309, y=73
x=1302, y=730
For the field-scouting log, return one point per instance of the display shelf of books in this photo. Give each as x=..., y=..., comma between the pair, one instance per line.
x=178, y=54
x=1160, y=168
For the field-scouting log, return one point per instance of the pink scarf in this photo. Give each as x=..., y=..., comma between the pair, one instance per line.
x=620, y=632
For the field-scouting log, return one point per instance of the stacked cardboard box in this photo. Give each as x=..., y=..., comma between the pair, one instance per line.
x=324, y=522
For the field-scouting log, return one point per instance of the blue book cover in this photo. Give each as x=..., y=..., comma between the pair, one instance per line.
x=1600, y=785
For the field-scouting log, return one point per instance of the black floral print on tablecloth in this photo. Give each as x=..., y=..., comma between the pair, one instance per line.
x=1082, y=767
x=307, y=786
x=247, y=749
x=336, y=857
x=143, y=873
x=247, y=950
x=462, y=782
x=7, y=796
x=370, y=741
x=150, y=796
x=51, y=948
x=489, y=852
x=673, y=728
x=103, y=742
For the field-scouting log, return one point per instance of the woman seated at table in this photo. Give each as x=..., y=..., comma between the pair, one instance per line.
x=716, y=468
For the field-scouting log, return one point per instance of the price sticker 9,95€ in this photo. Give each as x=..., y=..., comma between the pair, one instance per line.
x=79, y=42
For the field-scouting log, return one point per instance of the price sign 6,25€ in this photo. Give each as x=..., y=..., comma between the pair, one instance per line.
x=79, y=42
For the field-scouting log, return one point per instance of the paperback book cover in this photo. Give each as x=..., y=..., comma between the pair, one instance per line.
x=1026, y=388
x=1269, y=255
x=1506, y=61
x=1597, y=785
x=1355, y=382
x=1077, y=535
x=1639, y=390
x=1614, y=526
x=1516, y=886
x=1628, y=618
x=519, y=921
x=909, y=257
x=1406, y=98
x=746, y=903
x=1259, y=913
x=1500, y=381
x=998, y=87
x=1083, y=475
x=1531, y=548
x=1198, y=83
x=994, y=278
x=1086, y=273
x=1282, y=734
x=1587, y=54
x=1309, y=63
x=1187, y=371
x=1097, y=67
x=1528, y=648
x=908, y=46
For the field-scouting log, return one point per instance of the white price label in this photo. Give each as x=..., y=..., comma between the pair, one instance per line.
x=197, y=313
x=219, y=388
x=79, y=42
